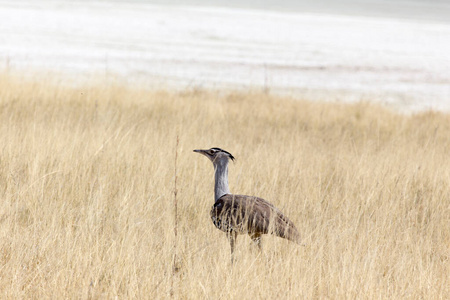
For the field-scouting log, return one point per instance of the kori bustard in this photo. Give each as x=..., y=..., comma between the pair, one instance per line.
x=239, y=214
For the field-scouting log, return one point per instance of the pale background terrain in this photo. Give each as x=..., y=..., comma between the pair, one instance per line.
x=393, y=52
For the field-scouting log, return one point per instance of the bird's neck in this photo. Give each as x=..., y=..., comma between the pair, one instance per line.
x=221, y=179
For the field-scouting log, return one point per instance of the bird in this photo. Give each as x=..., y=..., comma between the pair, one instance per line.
x=241, y=214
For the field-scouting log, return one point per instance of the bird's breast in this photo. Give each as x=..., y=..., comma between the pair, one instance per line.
x=224, y=219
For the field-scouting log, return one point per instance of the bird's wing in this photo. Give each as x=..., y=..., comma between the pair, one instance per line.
x=258, y=216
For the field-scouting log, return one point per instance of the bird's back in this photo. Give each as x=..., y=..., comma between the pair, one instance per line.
x=252, y=215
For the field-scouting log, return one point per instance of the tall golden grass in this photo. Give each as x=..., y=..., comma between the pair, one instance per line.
x=87, y=189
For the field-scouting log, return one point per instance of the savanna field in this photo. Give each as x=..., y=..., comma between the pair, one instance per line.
x=87, y=180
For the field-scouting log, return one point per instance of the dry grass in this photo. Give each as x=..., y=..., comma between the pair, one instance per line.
x=87, y=178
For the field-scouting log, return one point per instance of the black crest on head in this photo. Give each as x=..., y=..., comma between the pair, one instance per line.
x=221, y=150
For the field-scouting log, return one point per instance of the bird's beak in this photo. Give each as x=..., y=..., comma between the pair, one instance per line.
x=200, y=151
x=204, y=152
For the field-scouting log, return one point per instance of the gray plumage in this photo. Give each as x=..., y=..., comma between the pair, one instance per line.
x=240, y=214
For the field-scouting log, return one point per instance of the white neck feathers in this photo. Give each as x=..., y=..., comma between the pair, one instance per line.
x=221, y=178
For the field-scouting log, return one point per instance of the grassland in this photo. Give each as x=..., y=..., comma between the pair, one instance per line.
x=87, y=193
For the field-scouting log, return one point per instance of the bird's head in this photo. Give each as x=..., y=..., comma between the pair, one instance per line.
x=216, y=155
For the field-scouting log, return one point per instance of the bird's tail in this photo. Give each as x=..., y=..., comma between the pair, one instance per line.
x=291, y=234
x=286, y=229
